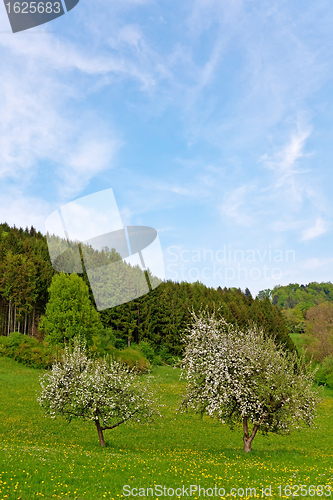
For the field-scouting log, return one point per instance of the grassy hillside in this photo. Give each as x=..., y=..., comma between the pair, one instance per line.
x=297, y=339
x=49, y=459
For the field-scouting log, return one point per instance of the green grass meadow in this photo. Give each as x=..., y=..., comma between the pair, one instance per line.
x=51, y=459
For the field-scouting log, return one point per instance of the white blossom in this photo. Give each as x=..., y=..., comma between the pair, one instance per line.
x=101, y=390
x=244, y=377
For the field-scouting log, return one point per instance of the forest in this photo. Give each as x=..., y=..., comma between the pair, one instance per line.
x=300, y=317
x=158, y=318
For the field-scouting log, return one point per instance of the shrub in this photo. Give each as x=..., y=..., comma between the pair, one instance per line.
x=157, y=360
x=31, y=352
x=27, y=350
x=133, y=358
x=147, y=350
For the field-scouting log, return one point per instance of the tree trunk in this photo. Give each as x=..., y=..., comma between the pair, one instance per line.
x=14, y=318
x=33, y=321
x=25, y=324
x=246, y=438
x=100, y=433
x=9, y=311
x=247, y=444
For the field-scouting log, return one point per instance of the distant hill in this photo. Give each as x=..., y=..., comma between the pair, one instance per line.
x=295, y=300
x=290, y=296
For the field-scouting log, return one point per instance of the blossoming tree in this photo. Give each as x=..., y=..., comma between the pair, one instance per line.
x=243, y=377
x=100, y=390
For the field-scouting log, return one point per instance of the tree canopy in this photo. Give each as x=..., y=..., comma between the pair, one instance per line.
x=69, y=312
x=318, y=339
x=244, y=377
x=103, y=391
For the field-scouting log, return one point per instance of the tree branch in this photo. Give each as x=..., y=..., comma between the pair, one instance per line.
x=254, y=432
x=118, y=423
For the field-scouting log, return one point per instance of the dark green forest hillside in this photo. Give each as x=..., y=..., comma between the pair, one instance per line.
x=159, y=317
x=162, y=315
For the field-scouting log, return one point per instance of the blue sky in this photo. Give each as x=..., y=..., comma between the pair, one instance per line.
x=211, y=120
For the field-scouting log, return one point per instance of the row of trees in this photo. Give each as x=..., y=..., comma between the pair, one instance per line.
x=292, y=295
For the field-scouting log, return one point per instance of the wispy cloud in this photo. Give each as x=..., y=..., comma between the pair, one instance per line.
x=91, y=155
x=285, y=164
x=315, y=263
x=320, y=228
x=44, y=83
x=275, y=199
x=236, y=206
x=36, y=127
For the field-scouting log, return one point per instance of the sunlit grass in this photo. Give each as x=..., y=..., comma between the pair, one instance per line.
x=50, y=459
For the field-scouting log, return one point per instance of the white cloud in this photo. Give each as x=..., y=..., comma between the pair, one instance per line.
x=237, y=206
x=44, y=82
x=165, y=229
x=191, y=189
x=315, y=263
x=205, y=13
x=276, y=198
x=320, y=228
x=59, y=55
x=39, y=123
x=285, y=165
x=36, y=127
x=30, y=126
x=23, y=211
x=88, y=157
x=286, y=159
